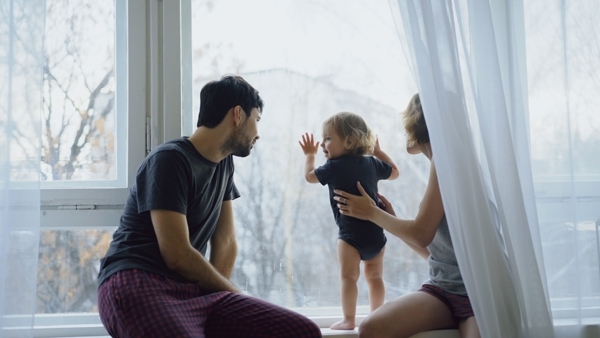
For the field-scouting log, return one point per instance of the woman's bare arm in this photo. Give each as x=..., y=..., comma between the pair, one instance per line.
x=387, y=206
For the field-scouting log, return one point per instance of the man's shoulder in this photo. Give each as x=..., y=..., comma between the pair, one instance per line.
x=181, y=149
x=178, y=144
x=166, y=153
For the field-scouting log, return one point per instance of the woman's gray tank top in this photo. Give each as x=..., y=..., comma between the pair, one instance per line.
x=443, y=267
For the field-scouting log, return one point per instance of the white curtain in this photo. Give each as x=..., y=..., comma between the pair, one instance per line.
x=563, y=61
x=21, y=62
x=469, y=63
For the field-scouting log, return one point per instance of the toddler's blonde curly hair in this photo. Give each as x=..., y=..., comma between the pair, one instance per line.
x=353, y=130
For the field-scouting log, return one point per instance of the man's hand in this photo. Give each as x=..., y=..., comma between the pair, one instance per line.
x=308, y=145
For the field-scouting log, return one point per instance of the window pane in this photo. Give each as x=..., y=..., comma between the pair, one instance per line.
x=309, y=60
x=80, y=148
x=564, y=82
x=67, y=269
x=79, y=123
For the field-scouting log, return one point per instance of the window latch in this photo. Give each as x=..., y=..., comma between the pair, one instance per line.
x=77, y=207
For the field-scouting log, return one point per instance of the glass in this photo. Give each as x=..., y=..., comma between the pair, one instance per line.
x=79, y=149
x=68, y=268
x=308, y=60
x=563, y=74
x=79, y=123
x=564, y=81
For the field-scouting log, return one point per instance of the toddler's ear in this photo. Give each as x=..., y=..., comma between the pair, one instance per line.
x=349, y=143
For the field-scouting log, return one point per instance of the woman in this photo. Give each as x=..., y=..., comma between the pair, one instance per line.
x=442, y=301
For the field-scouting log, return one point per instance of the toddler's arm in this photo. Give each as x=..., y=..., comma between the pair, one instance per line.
x=310, y=148
x=380, y=154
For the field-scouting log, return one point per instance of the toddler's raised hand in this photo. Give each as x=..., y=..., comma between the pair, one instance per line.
x=376, y=148
x=308, y=145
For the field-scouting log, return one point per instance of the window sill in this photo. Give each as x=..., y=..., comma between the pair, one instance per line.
x=97, y=331
x=88, y=325
x=429, y=334
x=349, y=334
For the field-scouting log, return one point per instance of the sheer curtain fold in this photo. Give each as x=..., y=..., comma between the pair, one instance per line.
x=21, y=65
x=468, y=60
x=564, y=72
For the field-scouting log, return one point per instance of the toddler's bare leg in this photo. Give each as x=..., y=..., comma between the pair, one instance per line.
x=349, y=259
x=374, y=276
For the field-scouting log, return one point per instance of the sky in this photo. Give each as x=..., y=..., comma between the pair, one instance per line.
x=352, y=43
x=356, y=46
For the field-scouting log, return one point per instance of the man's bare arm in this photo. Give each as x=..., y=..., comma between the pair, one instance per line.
x=223, y=244
x=174, y=243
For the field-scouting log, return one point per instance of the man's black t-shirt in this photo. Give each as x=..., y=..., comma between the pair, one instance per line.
x=174, y=176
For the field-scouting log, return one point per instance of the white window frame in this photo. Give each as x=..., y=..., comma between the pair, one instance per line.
x=583, y=201
x=158, y=98
x=154, y=87
x=100, y=207
x=149, y=105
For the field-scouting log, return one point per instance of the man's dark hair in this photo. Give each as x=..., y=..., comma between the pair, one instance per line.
x=217, y=97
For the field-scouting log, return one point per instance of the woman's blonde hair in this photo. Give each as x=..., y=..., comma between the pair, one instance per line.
x=353, y=130
x=414, y=122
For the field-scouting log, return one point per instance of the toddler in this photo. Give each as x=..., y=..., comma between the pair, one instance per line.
x=347, y=144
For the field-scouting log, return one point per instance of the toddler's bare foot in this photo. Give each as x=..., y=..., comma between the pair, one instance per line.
x=344, y=324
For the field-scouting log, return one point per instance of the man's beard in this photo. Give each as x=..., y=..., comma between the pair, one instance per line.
x=239, y=144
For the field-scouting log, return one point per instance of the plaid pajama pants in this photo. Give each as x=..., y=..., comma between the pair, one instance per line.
x=135, y=303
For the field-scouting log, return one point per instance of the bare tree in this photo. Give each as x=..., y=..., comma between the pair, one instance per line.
x=261, y=233
x=288, y=234
x=285, y=227
x=68, y=266
x=79, y=88
x=77, y=142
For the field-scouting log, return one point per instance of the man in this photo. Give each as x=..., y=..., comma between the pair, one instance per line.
x=154, y=280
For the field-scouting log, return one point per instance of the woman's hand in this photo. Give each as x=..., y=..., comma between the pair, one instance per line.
x=387, y=206
x=361, y=207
